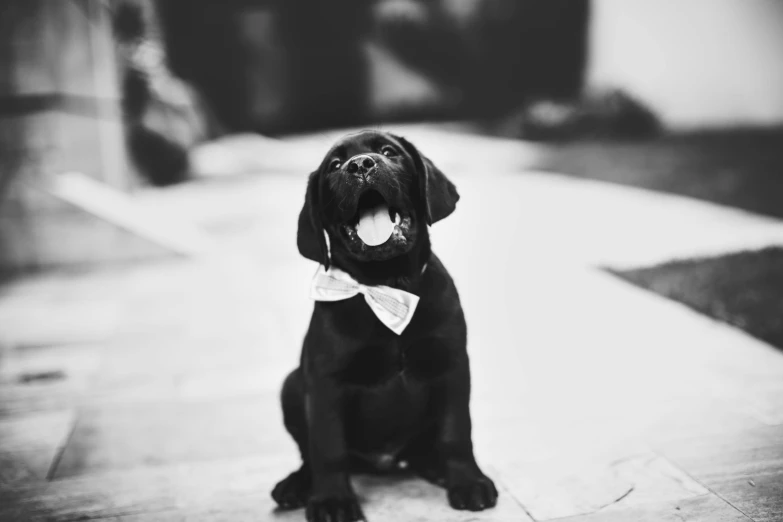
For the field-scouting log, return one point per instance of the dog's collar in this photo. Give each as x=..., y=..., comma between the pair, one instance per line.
x=329, y=251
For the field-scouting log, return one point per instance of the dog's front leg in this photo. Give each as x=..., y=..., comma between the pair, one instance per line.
x=332, y=497
x=467, y=486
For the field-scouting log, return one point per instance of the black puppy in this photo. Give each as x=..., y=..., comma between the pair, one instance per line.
x=374, y=390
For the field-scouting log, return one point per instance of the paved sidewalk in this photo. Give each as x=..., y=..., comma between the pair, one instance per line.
x=150, y=392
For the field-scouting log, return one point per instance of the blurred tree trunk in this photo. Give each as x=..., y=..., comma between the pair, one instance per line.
x=327, y=70
x=528, y=49
x=272, y=66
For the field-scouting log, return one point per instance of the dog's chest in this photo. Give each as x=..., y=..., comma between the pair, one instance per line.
x=377, y=364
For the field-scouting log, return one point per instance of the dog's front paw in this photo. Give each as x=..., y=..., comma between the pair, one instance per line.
x=334, y=509
x=473, y=495
x=292, y=492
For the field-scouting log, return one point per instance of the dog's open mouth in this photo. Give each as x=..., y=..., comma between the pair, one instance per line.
x=375, y=221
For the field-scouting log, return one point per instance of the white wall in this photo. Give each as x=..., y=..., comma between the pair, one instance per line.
x=697, y=63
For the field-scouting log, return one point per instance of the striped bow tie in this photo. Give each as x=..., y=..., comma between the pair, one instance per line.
x=393, y=307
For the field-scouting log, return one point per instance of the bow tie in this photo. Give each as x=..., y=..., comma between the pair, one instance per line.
x=393, y=307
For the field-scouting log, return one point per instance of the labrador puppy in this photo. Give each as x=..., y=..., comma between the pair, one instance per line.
x=384, y=379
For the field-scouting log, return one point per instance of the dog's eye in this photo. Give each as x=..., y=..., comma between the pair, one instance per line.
x=388, y=151
x=334, y=165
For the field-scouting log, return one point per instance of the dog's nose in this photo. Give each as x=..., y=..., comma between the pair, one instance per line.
x=361, y=164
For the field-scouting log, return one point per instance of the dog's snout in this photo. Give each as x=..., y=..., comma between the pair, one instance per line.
x=361, y=164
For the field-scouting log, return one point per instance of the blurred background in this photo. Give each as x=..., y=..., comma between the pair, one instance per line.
x=125, y=92
x=153, y=158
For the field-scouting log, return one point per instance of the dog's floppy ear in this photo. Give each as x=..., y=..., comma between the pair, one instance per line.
x=439, y=195
x=310, y=235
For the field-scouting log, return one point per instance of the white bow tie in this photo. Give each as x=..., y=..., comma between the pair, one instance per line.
x=393, y=307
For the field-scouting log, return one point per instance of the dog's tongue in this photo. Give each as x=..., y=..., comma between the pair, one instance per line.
x=375, y=226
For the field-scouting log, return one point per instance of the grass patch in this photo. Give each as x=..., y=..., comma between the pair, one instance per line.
x=743, y=289
x=739, y=168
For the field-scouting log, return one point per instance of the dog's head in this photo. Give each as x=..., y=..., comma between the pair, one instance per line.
x=374, y=194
